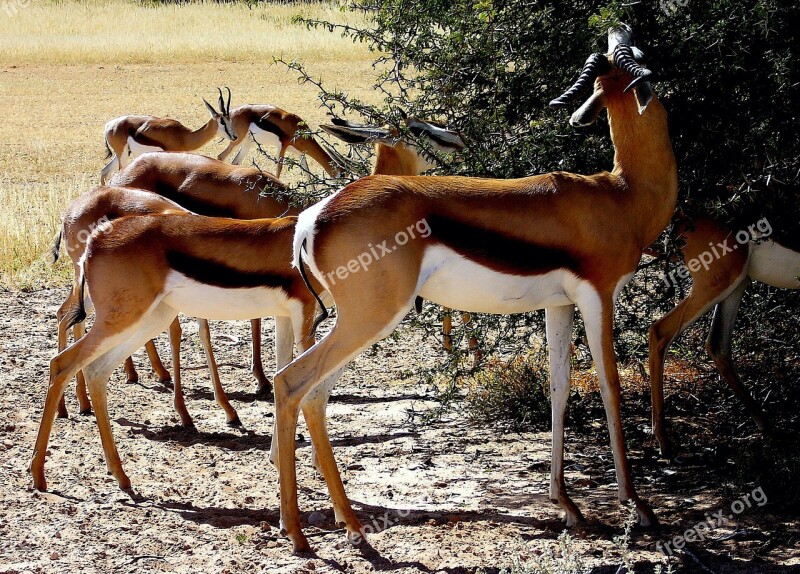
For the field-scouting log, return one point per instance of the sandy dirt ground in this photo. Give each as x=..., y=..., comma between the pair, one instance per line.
x=444, y=497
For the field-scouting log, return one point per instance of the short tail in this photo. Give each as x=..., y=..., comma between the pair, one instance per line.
x=109, y=153
x=56, y=248
x=77, y=312
x=298, y=262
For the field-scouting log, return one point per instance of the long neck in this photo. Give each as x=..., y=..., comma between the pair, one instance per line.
x=201, y=136
x=398, y=160
x=643, y=158
x=312, y=148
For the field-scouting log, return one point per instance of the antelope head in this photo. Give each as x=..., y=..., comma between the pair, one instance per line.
x=620, y=69
x=223, y=116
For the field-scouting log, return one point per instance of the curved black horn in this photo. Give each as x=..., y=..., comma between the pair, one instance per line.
x=228, y=106
x=221, y=102
x=624, y=59
x=596, y=65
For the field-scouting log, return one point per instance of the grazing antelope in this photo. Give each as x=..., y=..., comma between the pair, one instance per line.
x=146, y=269
x=267, y=125
x=490, y=246
x=396, y=157
x=179, y=181
x=719, y=283
x=129, y=136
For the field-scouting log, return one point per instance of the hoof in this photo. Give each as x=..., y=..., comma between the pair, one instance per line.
x=647, y=518
x=264, y=393
x=124, y=483
x=235, y=422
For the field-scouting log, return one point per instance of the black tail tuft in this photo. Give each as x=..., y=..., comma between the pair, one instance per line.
x=77, y=313
x=109, y=153
x=302, y=268
x=54, y=251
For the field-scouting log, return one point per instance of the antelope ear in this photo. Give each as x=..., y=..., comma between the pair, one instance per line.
x=214, y=113
x=358, y=134
x=644, y=94
x=587, y=114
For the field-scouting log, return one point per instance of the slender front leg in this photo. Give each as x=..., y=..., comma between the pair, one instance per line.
x=559, y=322
x=284, y=345
x=219, y=393
x=131, y=376
x=447, y=329
x=175, y=335
x=162, y=374
x=598, y=316
x=231, y=146
x=264, y=388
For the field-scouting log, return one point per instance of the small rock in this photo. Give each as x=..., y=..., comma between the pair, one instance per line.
x=311, y=566
x=316, y=517
x=55, y=556
x=265, y=527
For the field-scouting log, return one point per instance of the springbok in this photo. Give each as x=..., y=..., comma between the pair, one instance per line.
x=491, y=246
x=396, y=157
x=178, y=182
x=143, y=270
x=721, y=266
x=267, y=125
x=129, y=136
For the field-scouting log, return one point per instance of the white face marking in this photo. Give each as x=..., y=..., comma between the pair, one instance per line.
x=197, y=299
x=774, y=265
x=450, y=279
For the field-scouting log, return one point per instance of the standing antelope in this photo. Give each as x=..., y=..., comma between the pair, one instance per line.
x=491, y=246
x=267, y=125
x=720, y=285
x=395, y=157
x=144, y=270
x=129, y=136
x=179, y=181
x=213, y=188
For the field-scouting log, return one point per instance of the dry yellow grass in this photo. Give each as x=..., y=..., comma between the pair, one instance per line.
x=59, y=92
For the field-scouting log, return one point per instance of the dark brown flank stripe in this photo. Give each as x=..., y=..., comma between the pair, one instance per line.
x=498, y=251
x=265, y=124
x=218, y=274
x=791, y=242
x=199, y=206
x=143, y=139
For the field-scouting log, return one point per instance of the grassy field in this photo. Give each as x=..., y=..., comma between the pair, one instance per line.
x=67, y=67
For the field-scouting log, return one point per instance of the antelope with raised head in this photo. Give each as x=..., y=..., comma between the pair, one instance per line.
x=490, y=246
x=397, y=157
x=720, y=276
x=269, y=126
x=129, y=136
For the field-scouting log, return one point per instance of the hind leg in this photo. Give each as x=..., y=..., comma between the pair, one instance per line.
x=355, y=330
x=161, y=372
x=175, y=335
x=84, y=406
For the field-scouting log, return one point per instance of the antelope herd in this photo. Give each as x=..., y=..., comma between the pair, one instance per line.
x=178, y=232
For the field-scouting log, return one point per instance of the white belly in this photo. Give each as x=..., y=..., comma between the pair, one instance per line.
x=774, y=265
x=222, y=304
x=267, y=139
x=449, y=279
x=136, y=149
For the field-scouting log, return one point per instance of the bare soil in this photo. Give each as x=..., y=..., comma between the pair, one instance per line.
x=444, y=497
